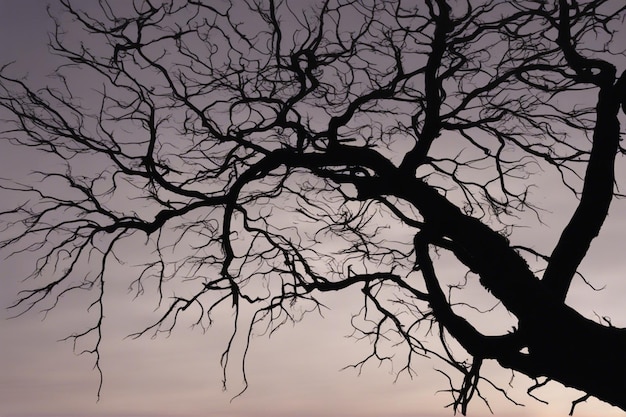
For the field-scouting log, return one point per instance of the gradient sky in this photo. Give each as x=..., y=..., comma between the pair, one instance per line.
x=296, y=372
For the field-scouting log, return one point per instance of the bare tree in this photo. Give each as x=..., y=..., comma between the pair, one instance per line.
x=271, y=152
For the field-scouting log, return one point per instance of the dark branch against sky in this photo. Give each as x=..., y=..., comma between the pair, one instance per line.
x=295, y=369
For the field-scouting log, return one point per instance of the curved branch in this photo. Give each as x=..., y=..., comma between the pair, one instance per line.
x=597, y=192
x=477, y=344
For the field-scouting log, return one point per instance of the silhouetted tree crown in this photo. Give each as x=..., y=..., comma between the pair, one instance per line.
x=271, y=151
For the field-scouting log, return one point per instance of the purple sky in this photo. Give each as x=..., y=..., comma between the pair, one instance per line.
x=296, y=372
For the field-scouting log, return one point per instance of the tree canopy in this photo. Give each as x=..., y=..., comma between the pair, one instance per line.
x=272, y=151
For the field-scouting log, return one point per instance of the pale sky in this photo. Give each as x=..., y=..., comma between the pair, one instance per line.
x=296, y=372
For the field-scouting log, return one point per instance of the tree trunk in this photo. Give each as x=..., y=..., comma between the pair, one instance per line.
x=577, y=352
x=562, y=344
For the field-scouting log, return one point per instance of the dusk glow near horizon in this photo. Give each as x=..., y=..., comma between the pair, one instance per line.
x=303, y=369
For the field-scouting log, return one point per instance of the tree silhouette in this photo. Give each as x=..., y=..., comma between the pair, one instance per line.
x=271, y=151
